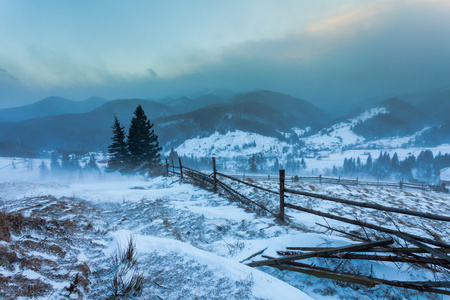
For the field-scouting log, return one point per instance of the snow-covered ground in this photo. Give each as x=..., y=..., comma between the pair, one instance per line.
x=190, y=241
x=230, y=145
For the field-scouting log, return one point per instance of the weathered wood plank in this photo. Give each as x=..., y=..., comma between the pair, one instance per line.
x=349, y=248
x=385, y=250
x=367, y=225
x=425, y=247
x=371, y=205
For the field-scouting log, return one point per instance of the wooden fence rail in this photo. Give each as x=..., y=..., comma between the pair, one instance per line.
x=287, y=263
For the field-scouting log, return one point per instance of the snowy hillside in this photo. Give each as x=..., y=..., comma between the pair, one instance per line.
x=190, y=242
x=341, y=134
x=239, y=143
x=320, y=151
x=231, y=145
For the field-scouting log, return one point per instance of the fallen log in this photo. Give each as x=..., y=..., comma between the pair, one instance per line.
x=321, y=272
x=388, y=258
x=349, y=248
x=424, y=247
x=253, y=255
x=393, y=250
x=367, y=225
x=346, y=233
x=239, y=195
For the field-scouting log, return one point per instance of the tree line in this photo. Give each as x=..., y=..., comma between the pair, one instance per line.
x=424, y=167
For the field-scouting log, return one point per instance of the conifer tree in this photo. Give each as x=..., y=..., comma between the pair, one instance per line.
x=252, y=163
x=117, y=151
x=369, y=163
x=143, y=145
x=54, y=162
x=92, y=164
x=303, y=163
x=173, y=156
x=43, y=170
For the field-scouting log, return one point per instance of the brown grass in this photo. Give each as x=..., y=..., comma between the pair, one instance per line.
x=43, y=247
x=4, y=228
x=8, y=258
x=21, y=286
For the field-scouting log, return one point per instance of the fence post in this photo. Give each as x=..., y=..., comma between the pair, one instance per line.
x=181, y=168
x=356, y=180
x=173, y=167
x=320, y=178
x=401, y=183
x=339, y=179
x=215, y=174
x=167, y=167
x=282, y=195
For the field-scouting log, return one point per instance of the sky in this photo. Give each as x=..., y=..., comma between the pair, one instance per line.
x=324, y=51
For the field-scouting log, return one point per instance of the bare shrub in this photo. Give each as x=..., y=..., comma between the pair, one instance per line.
x=127, y=280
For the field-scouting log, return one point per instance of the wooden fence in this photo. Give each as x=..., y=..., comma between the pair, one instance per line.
x=348, y=181
x=436, y=256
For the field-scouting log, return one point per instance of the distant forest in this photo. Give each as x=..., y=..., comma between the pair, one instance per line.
x=423, y=168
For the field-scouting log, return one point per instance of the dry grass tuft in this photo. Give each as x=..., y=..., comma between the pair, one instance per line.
x=127, y=280
x=16, y=286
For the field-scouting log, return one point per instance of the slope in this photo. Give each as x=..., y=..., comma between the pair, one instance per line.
x=87, y=131
x=262, y=112
x=400, y=119
x=49, y=107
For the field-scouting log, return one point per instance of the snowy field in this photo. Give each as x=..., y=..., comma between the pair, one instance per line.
x=190, y=242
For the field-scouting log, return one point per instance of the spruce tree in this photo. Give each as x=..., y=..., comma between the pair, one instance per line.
x=54, y=162
x=252, y=163
x=117, y=151
x=43, y=170
x=92, y=164
x=143, y=145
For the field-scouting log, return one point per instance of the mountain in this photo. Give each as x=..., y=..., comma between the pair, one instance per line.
x=434, y=136
x=307, y=113
x=399, y=119
x=50, y=106
x=435, y=103
x=437, y=106
x=256, y=116
x=262, y=112
x=187, y=104
x=83, y=132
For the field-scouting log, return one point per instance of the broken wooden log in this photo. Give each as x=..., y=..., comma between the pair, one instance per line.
x=393, y=250
x=424, y=247
x=239, y=195
x=367, y=225
x=422, y=286
x=348, y=248
x=253, y=255
x=346, y=233
x=388, y=258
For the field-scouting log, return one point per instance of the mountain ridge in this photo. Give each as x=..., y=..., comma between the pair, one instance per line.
x=49, y=106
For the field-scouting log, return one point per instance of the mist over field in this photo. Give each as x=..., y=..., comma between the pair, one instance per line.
x=238, y=150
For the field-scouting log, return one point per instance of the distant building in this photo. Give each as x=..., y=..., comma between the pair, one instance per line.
x=444, y=176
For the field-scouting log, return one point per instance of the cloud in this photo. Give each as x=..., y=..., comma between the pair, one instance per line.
x=382, y=48
x=152, y=73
